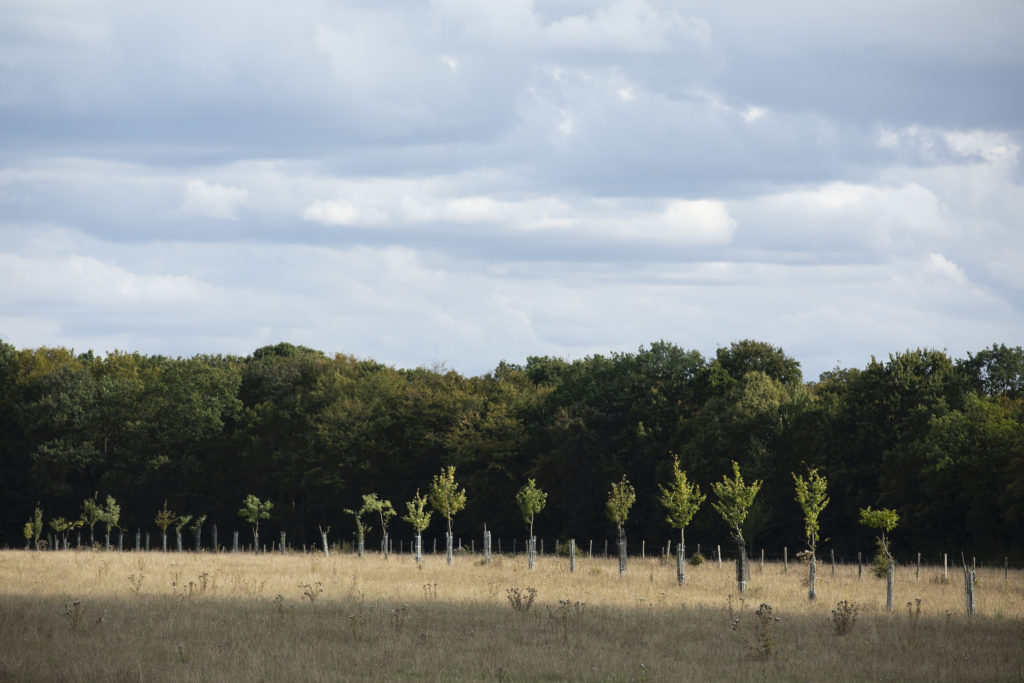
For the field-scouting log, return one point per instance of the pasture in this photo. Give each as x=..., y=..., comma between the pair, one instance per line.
x=109, y=616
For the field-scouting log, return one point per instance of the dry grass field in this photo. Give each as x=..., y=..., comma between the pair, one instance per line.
x=98, y=616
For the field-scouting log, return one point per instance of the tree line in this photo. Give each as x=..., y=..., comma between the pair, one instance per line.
x=940, y=440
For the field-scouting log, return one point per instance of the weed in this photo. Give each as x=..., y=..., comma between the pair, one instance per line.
x=430, y=591
x=844, y=616
x=312, y=591
x=765, y=647
x=398, y=616
x=73, y=612
x=521, y=600
x=279, y=605
x=135, y=582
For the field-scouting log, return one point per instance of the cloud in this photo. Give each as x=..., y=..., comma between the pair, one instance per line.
x=213, y=200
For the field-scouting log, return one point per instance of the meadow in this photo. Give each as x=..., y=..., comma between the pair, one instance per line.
x=109, y=616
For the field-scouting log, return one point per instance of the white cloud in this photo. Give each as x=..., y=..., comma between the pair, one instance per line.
x=940, y=265
x=213, y=200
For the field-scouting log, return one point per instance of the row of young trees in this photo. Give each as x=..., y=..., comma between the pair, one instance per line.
x=936, y=439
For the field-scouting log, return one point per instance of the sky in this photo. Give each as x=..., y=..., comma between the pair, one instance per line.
x=457, y=182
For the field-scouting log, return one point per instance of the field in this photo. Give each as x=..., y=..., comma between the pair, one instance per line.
x=98, y=616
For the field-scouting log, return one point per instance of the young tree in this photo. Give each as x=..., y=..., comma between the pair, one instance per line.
x=447, y=499
x=885, y=520
x=811, y=495
x=682, y=500
x=385, y=511
x=34, y=528
x=620, y=500
x=252, y=511
x=61, y=527
x=419, y=518
x=178, y=526
x=360, y=527
x=110, y=515
x=92, y=513
x=197, y=530
x=734, y=501
x=531, y=500
x=164, y=518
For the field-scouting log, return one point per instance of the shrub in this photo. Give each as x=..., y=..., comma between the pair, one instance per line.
x=696, y=560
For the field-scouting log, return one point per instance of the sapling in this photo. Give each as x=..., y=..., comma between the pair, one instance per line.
x=92, y=512
x=810, y=494
x=884, y=520
x=110, y=515
x=34, y=528
x=385, y=511
x=61, y=527
x=734, y=501
x=252, y=511
x=447, y=499
x=531, y=501
x=682, y=500
x=360, y=527
x=164, y=518
x=620, y=500
x=419, y=518
x=197, y=530
x=178, y=526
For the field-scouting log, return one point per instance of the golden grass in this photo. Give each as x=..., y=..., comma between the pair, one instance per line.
x=84, y=616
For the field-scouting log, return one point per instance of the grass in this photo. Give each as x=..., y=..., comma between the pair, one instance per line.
x=98, y=616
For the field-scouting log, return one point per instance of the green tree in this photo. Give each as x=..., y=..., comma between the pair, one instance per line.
x=620, y=500
x=682, y=500
x=34, y=527
x=385, y=512
x=734, y=501
x=419, y=517
x=252, y=511
x=92, y=514
x=180, y=524
x=447, y=499
x=884, y=520
x=531, y=500
x=164, y=518
x=812, y=497
x=445, y=496
x=110, y=516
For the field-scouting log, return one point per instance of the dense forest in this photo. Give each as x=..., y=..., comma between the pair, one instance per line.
x=941, y=440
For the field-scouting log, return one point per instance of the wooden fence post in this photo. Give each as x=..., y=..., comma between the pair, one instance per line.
x=234, y=541
x=762, y=559
x=719, y=555
x=283, y=544
x=917, y=572
x=858, y=564
x=785, y=558
x=216, y=548
x=572, y=555
x=945, y=567
x=833, y=551
x=643, y=549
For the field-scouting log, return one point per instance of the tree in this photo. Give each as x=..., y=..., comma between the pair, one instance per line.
x=252, y=511
x=385, y=511
x=197, y=530
x=620, y=500
x=531, y=500
x=734, y=501
x=180, y=524
x=164, y=518
x=360, y=527
x=92, y=513
x=447, y=499
x=419, y=518
x=682, y=500
x=110, y=516
x=812, y=498
x=34, y=528
x=61, y=527
x=884, y=520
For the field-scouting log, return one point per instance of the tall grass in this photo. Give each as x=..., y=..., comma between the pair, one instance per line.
x=88, y=616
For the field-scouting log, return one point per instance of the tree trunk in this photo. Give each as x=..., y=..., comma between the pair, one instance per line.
x=165, y=541
x=888, y=587
x=419, y=547
x=622, y=552
x=531, y=554
x=742, y=572
x=323, y=537
x=448, y=548
x=811, y=595
x=385, y=545
x=681, y=558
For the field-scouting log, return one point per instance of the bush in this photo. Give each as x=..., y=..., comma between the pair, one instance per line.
x=696, y=560
x=880, y=568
